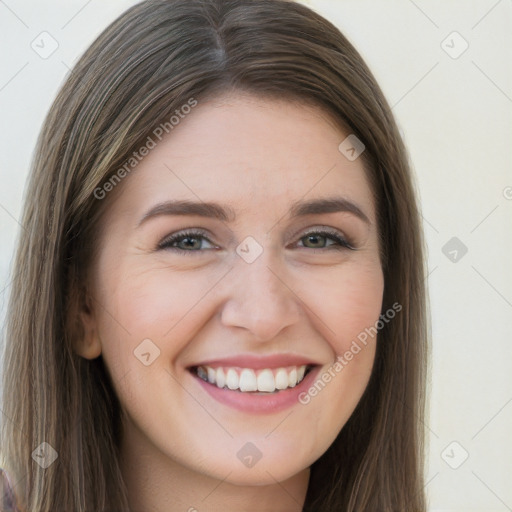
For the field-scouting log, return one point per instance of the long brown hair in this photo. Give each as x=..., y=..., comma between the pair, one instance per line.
x=147, y=64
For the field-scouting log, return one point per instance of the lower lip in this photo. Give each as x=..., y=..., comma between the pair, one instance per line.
x=259, y=404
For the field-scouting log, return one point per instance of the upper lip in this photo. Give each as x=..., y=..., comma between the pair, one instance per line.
x=258, y=362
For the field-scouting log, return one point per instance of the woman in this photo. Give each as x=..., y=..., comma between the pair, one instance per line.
x=218, y=300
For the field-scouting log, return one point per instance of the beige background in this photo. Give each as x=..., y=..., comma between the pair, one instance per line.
x=454, y=107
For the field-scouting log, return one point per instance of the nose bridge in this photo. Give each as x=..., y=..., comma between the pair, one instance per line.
x=261, y=278
x=258, y=298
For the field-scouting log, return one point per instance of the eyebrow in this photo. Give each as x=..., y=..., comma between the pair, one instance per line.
x=226, y=214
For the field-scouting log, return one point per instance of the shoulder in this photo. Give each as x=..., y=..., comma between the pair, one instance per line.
x=8, y=502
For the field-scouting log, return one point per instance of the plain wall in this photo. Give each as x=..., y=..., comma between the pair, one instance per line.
x=455, y=115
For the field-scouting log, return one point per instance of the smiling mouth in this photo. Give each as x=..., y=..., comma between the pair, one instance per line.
x=247, y=380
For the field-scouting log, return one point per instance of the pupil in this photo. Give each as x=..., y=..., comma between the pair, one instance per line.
x=314, y=239
x=189, y=241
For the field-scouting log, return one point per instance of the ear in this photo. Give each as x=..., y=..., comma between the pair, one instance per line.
x=87, y=342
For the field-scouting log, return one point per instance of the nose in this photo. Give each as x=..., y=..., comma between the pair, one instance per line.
x=259, y=298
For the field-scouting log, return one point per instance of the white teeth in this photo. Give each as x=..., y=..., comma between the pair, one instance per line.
x=249, y=380
x=292, y=378
x=266, y=381
x=281, y=379
x=232, y=379
x=220, y=378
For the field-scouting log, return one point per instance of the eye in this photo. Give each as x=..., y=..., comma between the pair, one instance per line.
x=193, y=241
x=318, y=240
x=185, y=241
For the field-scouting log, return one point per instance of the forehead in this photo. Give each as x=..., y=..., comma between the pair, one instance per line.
x=252, y=153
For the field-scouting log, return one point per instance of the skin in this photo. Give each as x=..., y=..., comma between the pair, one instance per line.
x=179, y=445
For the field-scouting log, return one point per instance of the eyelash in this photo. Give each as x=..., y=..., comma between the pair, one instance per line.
x=341, y=243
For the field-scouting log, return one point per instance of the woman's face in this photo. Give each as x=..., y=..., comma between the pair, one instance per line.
x=253, y=296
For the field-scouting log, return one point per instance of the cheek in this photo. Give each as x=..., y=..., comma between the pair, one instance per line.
x=348, y=300
x=154, y=311
x=360, y=303
x=144, y=304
